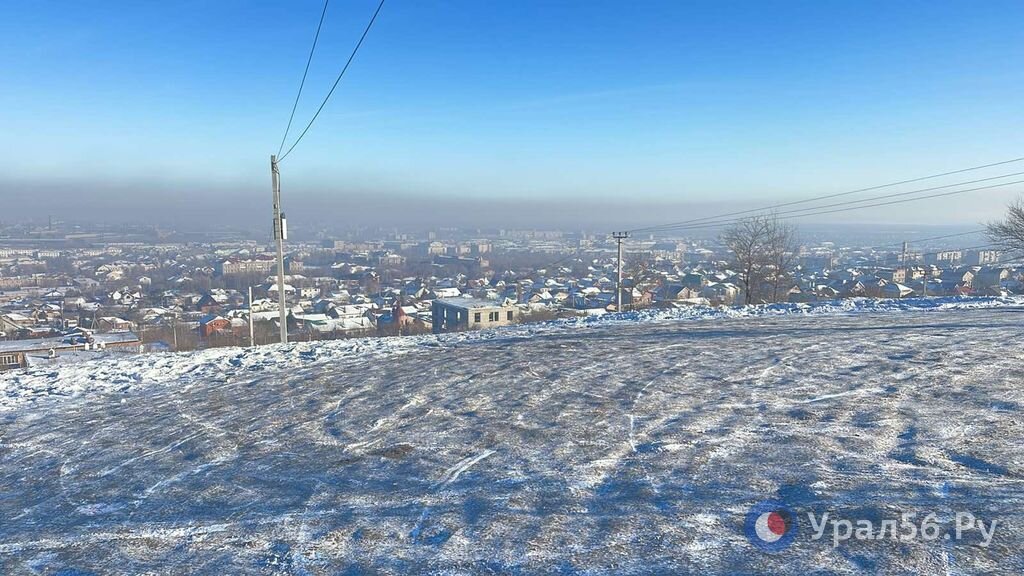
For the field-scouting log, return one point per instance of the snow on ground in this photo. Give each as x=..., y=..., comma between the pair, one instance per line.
x=119, y=373
x=631, y=444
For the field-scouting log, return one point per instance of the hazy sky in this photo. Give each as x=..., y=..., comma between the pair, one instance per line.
x=654, y=109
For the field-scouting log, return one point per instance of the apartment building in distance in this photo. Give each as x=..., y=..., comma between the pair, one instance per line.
x=256, y=265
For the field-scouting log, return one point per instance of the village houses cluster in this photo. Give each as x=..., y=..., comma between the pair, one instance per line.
x=61, y=301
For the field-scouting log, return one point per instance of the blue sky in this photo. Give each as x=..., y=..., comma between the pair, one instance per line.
x=660, y=102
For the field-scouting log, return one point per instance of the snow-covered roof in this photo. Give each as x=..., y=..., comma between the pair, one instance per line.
x=470, y=303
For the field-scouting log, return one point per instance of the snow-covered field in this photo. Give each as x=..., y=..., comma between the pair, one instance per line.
x=614, y=445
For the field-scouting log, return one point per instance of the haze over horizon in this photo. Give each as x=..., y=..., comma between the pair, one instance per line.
x=197, y=209
x=586, y=113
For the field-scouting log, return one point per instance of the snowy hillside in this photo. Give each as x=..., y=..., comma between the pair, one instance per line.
x=614, y=445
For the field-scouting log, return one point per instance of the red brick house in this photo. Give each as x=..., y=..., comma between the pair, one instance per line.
x=211, y=323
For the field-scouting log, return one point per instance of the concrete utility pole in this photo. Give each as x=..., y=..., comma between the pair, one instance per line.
x=280, y=235
x=927, y=276
x=906, y=271
x=619, y=237
x=252, y=330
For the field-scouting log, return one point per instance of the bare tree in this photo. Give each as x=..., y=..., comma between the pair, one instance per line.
x=764, y=252
x=747, y=239
x=1009, y=233
x=640, y=271
x=783, y=252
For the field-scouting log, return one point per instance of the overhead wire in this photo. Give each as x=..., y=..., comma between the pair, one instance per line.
x=337, y=80
x=305, y=73
x=825, y=196
x=817, y=212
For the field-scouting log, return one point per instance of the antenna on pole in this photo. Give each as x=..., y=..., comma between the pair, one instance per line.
x=280, y=235
x=619, y=237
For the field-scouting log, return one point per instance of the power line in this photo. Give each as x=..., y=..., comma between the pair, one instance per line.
x=918, y=240
x=336, y=81
x=304, y=74
x=850, y=208
x=1006, y=257
x=852, y=202
x=921, y=240
x=965, y=249
x=905, y=200
x=828, y=196
x=577, y=251
x=945, y=236
x=937, y=252
x=879, y=197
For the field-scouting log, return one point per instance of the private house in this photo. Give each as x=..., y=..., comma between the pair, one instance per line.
x=990, y=277
x=401, y=319
x=958, y=280
x=720, y=293
x=16, y=354
x=323, y=325
x=896, y=290
x=443, y=293
x=931, y=287
x=289, y=291
x=694, y=281
x=86, y=284
x=208, y=304
x=542, y=296
x=895, y=276
x=844, y=275
x=827, y=292
x=670, y=291
x=874, y=287
x=591, y=298
x=12, y=322
x=842, y=289
x=74, y=303
x=457, y=314
x=796, y=295
x=350, y=310
x=635, y=297
x=112, y=324
x=124, y=297
x=211, y=324
x=55, y=295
